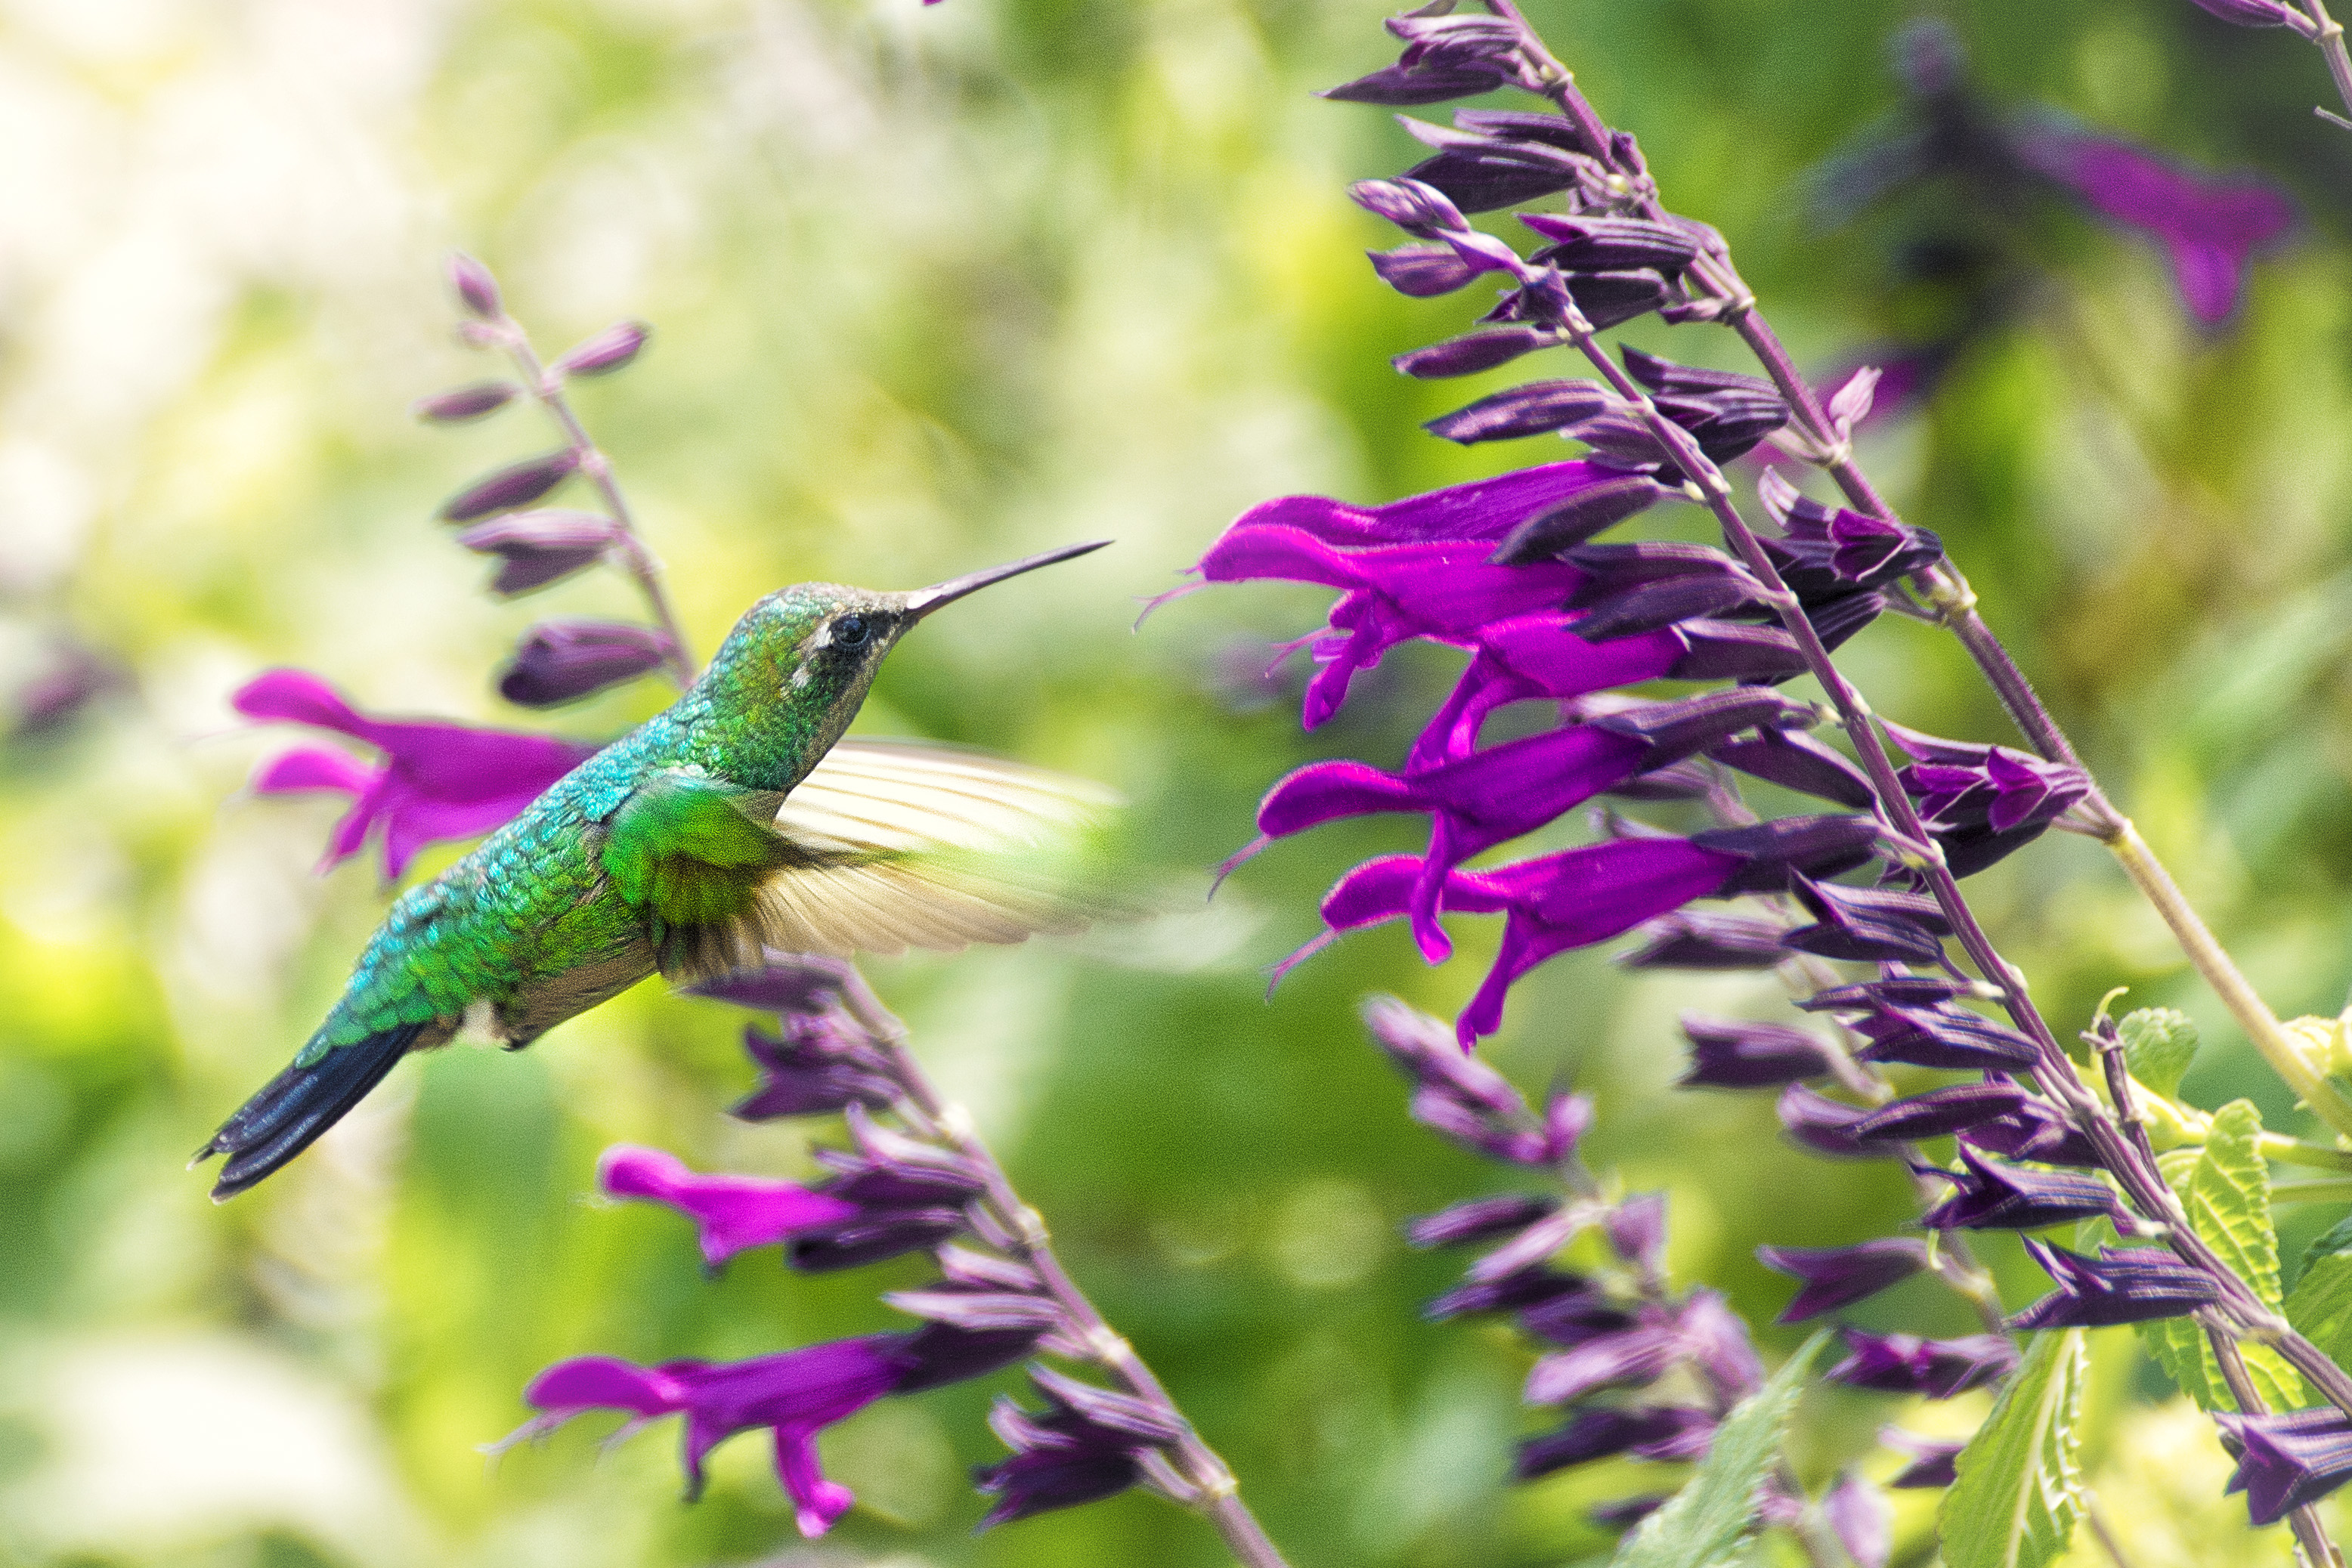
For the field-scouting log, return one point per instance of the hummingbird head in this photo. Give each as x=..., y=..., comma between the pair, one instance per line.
x=799, y=662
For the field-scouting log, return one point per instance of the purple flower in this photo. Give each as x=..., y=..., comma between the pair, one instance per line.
x=1905, y=1364
x=1870, y=924
x=2124, y=1285
x=1939, y=1112
x=1995, y=1196
x=1551, y=904
x=1834, y=1277
x=795, y=1395
x=2209, y=226
x=1645, y=1432
x=2287, y=1460
x=1689, y=940
x=1943, y=1036
x=1637, y=1354
x=1863, y=1520
x=535, y=549
x=517, y=484
x=608, y=350
x=467, y=403
x=815, y=1067
x=1089, y=1443
x=1932, y=1463
x=1824, y=1125
x=562, y=661
x=1981, y=802
x=435, y=781
x=2034, y=1131
x=732, y=1212
x=1479, y=1219
x=1738, y=1053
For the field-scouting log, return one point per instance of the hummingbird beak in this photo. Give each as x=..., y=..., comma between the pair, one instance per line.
x=923, y=601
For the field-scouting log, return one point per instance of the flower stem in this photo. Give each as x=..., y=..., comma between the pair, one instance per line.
x=1215, y=1494
x=2328, y=35
x=639, y=558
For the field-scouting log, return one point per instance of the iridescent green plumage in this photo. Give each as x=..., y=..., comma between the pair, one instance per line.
x=733, y=821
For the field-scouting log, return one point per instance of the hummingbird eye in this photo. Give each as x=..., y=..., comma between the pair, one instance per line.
x=852, y=632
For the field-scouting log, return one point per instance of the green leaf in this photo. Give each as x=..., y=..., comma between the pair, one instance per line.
x=2227, y=1191
x=2321, y=1307
x=2020, y=1487
x=1703, y=1525
x=2159, y=1043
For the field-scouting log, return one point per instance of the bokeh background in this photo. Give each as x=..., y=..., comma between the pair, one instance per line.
x=931, y=288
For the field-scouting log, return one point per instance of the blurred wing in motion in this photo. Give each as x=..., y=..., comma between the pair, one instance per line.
x=885, y=845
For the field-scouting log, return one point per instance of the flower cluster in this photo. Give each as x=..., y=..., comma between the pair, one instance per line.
x=922, y=1185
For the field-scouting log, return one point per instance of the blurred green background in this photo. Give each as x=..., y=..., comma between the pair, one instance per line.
x=932, y=289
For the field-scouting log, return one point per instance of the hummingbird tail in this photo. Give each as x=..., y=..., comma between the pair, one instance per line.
x=295, y=1107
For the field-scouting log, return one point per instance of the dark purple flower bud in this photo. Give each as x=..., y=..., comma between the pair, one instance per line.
x=795, y=983
x=608, y=350
x=1862, y=1519
x=1567, y=1118
x=1427, y=1052
x=2035, y=1132
x=1621, y=438
x=1932, y=1463
x=477, y=289
x=732, y=1212
x=1422, y=271
x=1835, y=1277
x=1474, y=352
x=1651, y=1432
x=1409, y=204
x=980, y=1311
x=1824, y=1125
x=1939, y=1112
x=1889, y=990
x=467, y=403
x=870, y=1237
x=1593, y=242
x=1611, y=569
x=2285, y=1461
x=1088, y=1443
x=1626, y=1512
x=1837, y=620
x=1994, y=1196
x=1491, y=35
x=518, y=485
x=940, y=1354
x=1640, y=1354
x=1481, y=175
x=1529, y=1289
x=1607, y=299
x=1404, y=86
x=1522, y=125
x=1665, y=378
x=536, y=549
x=1943, y=1037
x=1829, y=550
x=1574, y=1317
x=436, y=781
x=1791, y=847
x=1869, y=924
x=804, y=1081
x=562, y=661
x=1738, y=1053
x=1937, y=1368
x=2127, y=1285
x=1599, y=506
x=1800, y=762
x=1480, y=1219
x=1479, y=1132
x=1530, y=410
x=1677, y=729
x=1685, y=940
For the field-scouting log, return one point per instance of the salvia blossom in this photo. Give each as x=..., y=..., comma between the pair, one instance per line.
x=2123, y=1285
x=1087, y=1443
x=434, y=781
x=1937, y=1368
x=562, y=660
x=1834, y=1277
x=734, y=1212
x=2285, y=1461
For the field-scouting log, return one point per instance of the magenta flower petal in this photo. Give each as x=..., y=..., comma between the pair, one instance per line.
x=606, y=1383
x=732, y=1212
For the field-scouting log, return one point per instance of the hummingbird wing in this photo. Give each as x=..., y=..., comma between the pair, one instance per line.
x=884, y=845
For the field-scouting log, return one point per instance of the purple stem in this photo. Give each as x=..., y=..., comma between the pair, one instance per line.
x=1216, y=1497
x=641, y=562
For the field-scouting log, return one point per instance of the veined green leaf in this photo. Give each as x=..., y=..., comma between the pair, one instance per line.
x=2227, y=1191
x=2158, y=1044
x=2321, y=1307
x=2019, y=1487
x=1703, y=1525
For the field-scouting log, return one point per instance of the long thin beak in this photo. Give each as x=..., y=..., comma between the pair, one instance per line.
x=923, y=601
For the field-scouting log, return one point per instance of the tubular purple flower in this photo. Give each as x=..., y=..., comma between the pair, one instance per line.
x=1687, y=940
x=1939, y=1112
x=731, y=1212
x=1089, y=1443
x=813, y=1068
x=1824, y=1125
x=435, y=781
x=1404, y=86
x=2035, y=1132
x=1551, y=904
x=1937, y=1368
x=2254, y=12
x=2210, y=227
x=1943, y=1037
x=608, y=350
x=562, y=660
x=517, y=484
x=1863, y=1520
x=1868, y=925
x=1537, y=408
x=1479, y=1219
x=1647, y=1432
x=1932, y=1463
x=477, y=289
x=2287, y=1460
x=1738, y=1053
x=1639, y=1354
x=1797, y=761
x=2126, y=1285
x=1717, y=1342
x=1990, y=1196
x=1835, y=1277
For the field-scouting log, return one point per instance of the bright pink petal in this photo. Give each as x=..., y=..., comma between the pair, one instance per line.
x=732, y=1213
x=314, y=768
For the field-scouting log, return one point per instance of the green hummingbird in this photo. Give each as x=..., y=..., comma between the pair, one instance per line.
x=734, y=821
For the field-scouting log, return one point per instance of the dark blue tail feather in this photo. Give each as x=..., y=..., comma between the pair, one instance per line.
x=293, y=1108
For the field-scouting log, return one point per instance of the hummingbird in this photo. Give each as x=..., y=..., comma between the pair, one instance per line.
x=736, y=820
